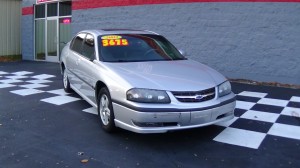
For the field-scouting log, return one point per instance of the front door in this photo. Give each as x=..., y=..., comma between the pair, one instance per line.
x=52, y=40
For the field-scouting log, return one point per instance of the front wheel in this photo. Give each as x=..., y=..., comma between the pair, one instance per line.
x=105, y=110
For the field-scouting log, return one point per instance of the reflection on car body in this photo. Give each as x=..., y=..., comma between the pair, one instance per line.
x=140, y=82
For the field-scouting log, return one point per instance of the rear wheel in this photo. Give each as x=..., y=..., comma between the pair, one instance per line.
x=66, y=82
x=105, y=110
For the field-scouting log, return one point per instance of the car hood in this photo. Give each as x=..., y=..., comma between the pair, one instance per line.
x=180, y=75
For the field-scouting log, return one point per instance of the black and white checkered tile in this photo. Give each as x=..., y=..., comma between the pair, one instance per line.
x=29, y=83
x=257, y=115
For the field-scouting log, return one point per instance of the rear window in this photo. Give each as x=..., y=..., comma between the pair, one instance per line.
x=136, y=47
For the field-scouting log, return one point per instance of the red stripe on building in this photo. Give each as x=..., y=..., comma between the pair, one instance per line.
x=27, y=10
x=86, y=4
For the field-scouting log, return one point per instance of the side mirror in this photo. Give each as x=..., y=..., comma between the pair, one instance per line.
x=182, y=52
x=90, y=42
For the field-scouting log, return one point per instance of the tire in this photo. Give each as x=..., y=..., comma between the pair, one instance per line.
x=105, y=111
x=66, y=82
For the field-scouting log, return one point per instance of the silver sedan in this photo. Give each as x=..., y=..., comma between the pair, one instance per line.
x=140, y=82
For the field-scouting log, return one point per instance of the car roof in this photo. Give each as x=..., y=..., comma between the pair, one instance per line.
x=118, y=31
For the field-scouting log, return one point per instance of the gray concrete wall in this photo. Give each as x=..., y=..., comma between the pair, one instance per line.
x=27, y=32
x=258, y=41
x=26, y=3
x=27, y=37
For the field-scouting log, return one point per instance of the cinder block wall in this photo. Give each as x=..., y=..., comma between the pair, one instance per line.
x=27, y=23
x=258, y=41
x=27, y=38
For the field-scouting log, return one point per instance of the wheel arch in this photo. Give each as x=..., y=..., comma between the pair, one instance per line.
x=62, y=67
x=98, y=87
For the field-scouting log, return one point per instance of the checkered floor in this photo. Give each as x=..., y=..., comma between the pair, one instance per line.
x=256, y=114
x=29, y=83
x=258, y=117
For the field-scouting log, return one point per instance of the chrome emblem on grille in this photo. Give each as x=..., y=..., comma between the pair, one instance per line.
x=199, y=97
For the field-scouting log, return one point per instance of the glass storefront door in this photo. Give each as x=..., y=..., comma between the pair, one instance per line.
x=64, y=32
x=52, y=40
x=40, y=53
x=52, y=29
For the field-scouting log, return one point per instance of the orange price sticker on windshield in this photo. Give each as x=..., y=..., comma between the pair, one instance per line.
x=114, y=42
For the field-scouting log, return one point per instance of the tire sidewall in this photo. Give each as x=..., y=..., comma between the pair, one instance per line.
x=66, y=88
x=110, y=127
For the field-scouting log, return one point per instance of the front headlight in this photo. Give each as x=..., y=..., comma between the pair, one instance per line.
x=147, y=96
x=224, y=89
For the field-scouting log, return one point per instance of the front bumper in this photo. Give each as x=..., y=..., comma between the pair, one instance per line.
x=160, y=122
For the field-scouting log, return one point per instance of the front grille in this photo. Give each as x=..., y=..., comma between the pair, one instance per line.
x=195, y=96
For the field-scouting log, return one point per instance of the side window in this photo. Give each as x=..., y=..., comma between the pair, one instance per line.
x=77, y=43
x=88, y=49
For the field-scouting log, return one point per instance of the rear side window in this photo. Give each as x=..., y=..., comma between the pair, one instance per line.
x=77, y=43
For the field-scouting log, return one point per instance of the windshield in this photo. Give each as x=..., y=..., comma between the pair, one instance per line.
x=136, y=47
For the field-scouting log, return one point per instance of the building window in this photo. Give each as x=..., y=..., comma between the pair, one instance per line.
x=65, y=8
x=40, y=11
x=52, y=9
